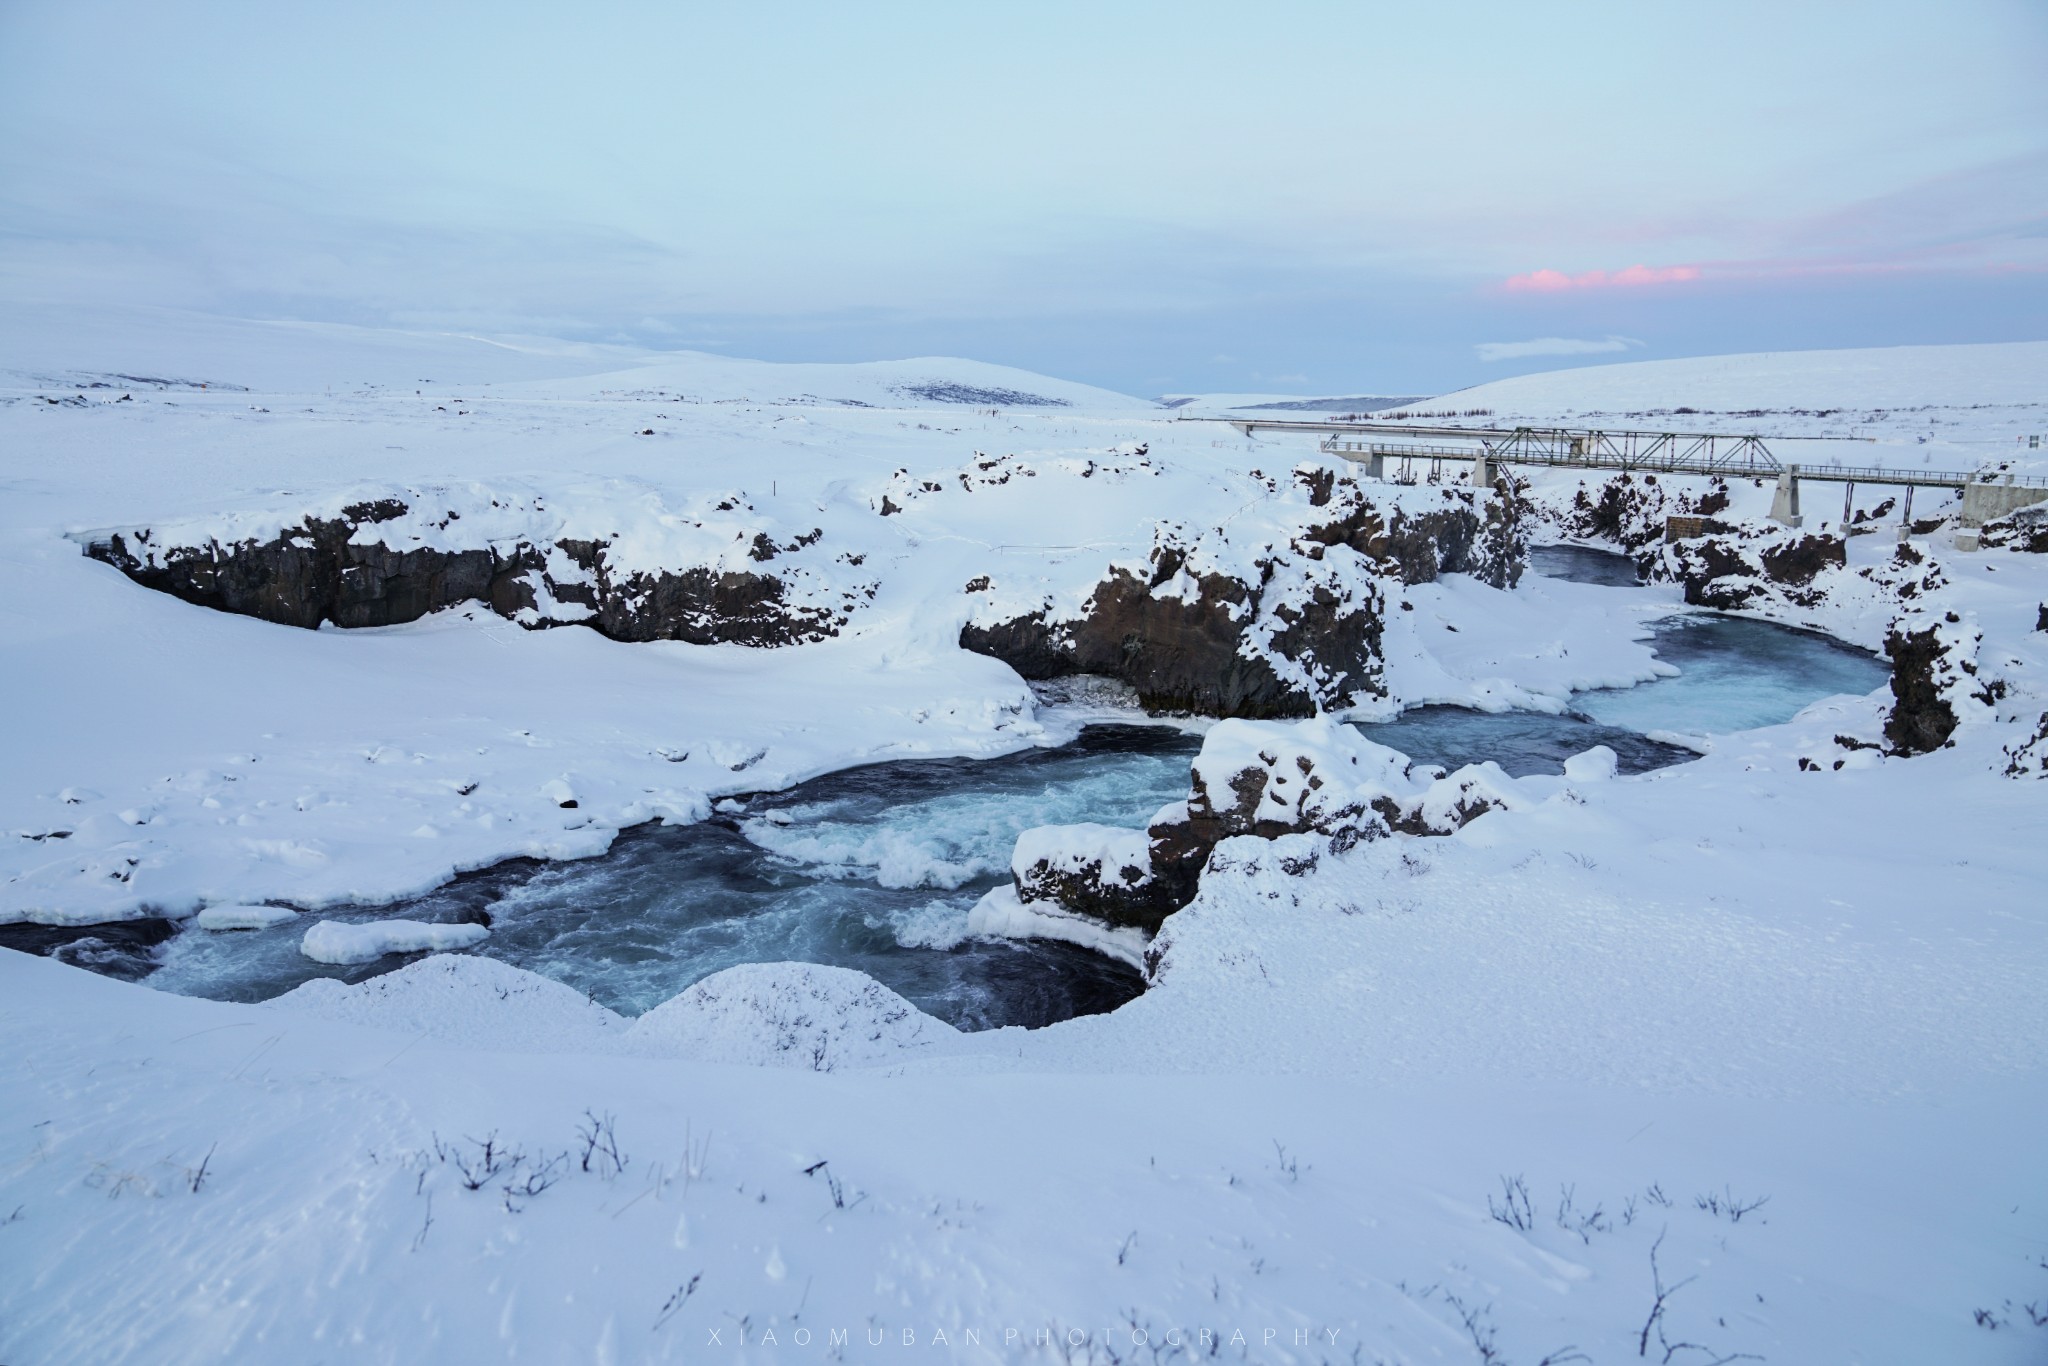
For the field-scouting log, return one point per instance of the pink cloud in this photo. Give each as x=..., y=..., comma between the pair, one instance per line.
x=1550, y=281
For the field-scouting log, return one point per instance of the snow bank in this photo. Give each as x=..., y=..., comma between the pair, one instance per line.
x=1595, y=765
x=338, y=941
x=794, y=1015
x=463, y=999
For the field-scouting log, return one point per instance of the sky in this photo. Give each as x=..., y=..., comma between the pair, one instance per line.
x=1159, y=198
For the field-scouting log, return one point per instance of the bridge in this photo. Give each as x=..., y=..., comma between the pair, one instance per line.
x=1376, y=444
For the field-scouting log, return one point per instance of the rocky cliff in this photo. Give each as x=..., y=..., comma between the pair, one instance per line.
x=393, y=559
x=1264, y=625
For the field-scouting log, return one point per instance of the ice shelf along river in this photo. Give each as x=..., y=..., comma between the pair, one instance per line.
x=876, y=868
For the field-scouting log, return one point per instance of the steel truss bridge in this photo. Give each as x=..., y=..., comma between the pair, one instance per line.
x=1711, y=453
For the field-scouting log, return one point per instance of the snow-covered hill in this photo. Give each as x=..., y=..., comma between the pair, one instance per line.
x=1860, y=380
x=125, y=350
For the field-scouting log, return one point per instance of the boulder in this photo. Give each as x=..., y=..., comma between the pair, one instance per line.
x=1262, y=779
x=1102, y=871
x=1935, y=684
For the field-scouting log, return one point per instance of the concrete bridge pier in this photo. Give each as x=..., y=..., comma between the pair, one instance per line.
x=1785, y=503
x=1987, y=502
x=1482, y=471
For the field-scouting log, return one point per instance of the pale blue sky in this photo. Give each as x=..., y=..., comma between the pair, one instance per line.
x=1307, y=197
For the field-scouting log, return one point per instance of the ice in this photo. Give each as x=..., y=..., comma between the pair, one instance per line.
x=244, y=917
x=332, y=941
x=1734, y=675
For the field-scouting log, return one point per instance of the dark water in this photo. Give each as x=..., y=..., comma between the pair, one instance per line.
x=874, y=869
x=1522, y=742
x=1578, y=564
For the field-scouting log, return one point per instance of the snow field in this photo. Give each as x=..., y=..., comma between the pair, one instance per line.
x=1664, y=997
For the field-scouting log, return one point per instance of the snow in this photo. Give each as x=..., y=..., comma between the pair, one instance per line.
x=1758, y=974
x=1996, y=373
x=335, y=941
x=999, y=912
x=1593, y=766
x=464, y=1000
x=243, y=917
x=801, y=1015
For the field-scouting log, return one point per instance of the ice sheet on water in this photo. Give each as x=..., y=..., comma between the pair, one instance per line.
x=1734, y=674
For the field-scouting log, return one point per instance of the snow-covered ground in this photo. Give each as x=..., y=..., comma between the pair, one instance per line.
x=1792, y=972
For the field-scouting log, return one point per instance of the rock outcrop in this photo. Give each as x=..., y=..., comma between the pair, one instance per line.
x=1280, y=628
x=1935, y=683
x=1260, y=779
x=2025, y=529
x=390, y=560
x=2027, y=757
x=1733, y=566
x=1101, y=871
x=1629, y=510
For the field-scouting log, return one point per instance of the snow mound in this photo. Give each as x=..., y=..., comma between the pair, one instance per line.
x=335, y=941
x=244, y=917
x=458, y=999
x=796, y=1015
x=1595, y=765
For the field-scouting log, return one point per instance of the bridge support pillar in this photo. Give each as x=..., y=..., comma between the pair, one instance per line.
x=1376, y=466
x=1482, y=472
x=1987, y=502
x=1785, y=503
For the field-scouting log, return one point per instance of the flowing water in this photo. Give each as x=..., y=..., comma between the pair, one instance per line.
x=1581, y=564
x=872, y=868
x=875, y=868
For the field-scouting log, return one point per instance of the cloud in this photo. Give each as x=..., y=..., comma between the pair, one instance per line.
x=1550, y=281
x=1553, y=346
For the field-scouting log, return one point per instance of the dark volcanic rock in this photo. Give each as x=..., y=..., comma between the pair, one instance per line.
x=316, y=572
x=1630, y=510
x=2025, y=529
x=1264, y=781
x=1183, y=653
x=1304, y=635
x=1095, y=871
x=1934, y=680
x=1734, y=566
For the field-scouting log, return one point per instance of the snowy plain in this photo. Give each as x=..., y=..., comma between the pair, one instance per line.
x=1646, y=1001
